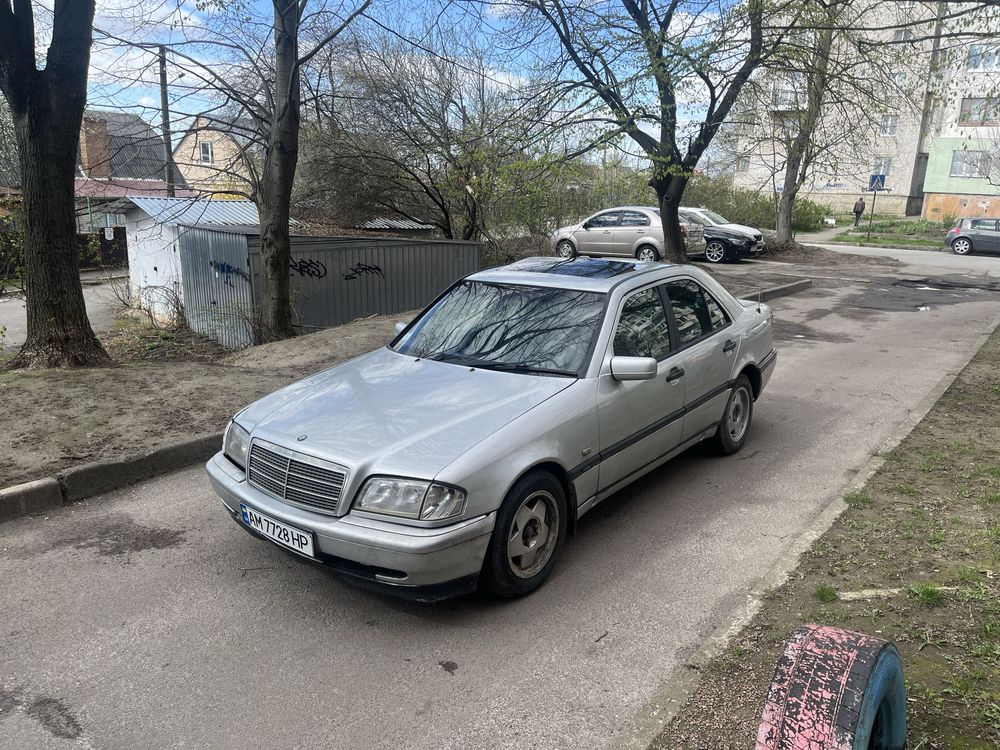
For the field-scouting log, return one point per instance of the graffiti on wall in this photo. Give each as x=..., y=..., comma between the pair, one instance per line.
x=228, y=271
x=363, y=269
x=307, y=267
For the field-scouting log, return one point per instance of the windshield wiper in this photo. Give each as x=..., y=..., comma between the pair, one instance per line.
x=522, y=367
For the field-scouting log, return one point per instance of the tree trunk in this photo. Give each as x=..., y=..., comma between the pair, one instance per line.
x=797, y=158
x=47, y=108
x=275, y=195
x=669, y=192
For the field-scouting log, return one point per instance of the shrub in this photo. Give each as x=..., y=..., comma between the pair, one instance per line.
x=750, y=207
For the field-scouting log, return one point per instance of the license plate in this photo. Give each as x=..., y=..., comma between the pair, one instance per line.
x=285, y=535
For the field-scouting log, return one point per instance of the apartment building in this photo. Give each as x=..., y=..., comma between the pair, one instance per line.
x=921, y=109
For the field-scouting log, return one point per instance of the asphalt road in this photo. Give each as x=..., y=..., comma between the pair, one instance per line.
x=147, y=619
x=100, y=303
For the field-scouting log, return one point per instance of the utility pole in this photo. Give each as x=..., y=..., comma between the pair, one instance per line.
x=168, y=151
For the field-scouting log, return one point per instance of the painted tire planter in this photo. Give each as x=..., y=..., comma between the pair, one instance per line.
x=835, y=690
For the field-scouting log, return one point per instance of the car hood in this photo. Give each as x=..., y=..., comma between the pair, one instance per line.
x=738, y=229
x=569, y=228
x=389, y=413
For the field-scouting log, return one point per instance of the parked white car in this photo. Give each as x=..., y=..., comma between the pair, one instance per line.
x=625, y=231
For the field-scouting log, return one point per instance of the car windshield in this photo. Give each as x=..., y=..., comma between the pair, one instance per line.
x=507, y=327
x=715, y=218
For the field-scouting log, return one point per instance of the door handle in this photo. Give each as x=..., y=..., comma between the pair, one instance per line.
x=729, y=347
x=676, y=373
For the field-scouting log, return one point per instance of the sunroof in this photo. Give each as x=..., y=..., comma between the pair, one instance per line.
x=591, y=268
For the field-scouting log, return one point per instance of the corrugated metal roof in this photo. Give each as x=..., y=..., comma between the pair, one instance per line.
x=195, y=212
x=386, y=223
x=135, y=149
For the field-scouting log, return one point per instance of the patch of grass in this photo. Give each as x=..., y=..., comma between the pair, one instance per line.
x=926, y=594
x=825, y=593
x=904, y=488
x=858, y=499
x=991, y=498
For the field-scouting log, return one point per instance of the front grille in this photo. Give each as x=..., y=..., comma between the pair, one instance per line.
x=298, y=479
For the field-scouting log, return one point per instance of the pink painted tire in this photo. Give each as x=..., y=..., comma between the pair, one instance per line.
x=835, y=690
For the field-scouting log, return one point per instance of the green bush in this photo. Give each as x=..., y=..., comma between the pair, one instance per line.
x=750, y=207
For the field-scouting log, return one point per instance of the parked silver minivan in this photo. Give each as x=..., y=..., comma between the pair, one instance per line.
x=628, y=231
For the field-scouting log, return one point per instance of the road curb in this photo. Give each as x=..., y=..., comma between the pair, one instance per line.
x=783, y=290
x=30, y=497
x=88, y=480
x=674, y=693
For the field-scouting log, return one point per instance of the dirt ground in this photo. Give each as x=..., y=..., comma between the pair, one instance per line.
x=926, y=532
x=171, y=386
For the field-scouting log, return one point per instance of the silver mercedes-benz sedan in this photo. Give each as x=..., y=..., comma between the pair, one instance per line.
x=465, y=451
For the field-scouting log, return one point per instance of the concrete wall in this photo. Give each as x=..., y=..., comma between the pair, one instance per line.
x=154, y=264
x=939, y=205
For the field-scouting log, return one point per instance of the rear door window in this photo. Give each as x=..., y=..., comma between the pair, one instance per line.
x=696, y=312
x=990, y=224
x=634, y=219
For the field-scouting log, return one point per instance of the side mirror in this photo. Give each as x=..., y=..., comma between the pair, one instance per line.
x=400, y=327
x=586, y=225
x=633, y=368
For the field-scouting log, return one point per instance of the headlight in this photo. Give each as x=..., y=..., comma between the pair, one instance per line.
x=235, y=444
x=411, y=498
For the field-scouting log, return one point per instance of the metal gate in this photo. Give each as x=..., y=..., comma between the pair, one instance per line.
x=218, y=297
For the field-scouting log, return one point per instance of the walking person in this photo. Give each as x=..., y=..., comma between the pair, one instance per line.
x=859, y=208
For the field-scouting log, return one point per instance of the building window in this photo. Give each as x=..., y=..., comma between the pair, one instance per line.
x=742, y=163
x=207, y=157
x=979, y=111
x=883, y=166
x=899, y=78
x=970, y=164
x=888, y=124
x=982, y=57
x=903, y=35
x=907, y=4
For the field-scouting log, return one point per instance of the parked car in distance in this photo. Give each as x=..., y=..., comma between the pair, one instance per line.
x=625, y=231
x=723, y=239
x=465, y=451
x=974, y=236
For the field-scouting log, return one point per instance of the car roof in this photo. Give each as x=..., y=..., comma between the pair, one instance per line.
x=583, y=274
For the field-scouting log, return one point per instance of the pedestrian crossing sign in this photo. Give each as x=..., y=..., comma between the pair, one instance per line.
x=876, y=182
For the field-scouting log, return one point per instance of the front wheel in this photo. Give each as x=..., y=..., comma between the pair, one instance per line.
x=565, y=249
x=715, y=252
x=961, y=246
x=530, y=528
x=734, y=429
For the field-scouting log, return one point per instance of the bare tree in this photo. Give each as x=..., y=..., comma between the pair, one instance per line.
x=432, y=134
x=666, y=73
x=253, y=61
x=47, y=110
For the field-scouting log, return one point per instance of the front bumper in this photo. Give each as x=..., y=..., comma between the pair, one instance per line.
x=425, y=564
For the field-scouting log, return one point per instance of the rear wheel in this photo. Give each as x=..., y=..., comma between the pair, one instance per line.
x=961, y=246
x=734, y=429
x=647, y=253
x=715, y=252
x=565, y=249
x=529, y=532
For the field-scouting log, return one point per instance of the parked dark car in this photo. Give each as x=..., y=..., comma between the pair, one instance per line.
x=973, y=236
x=723, y=240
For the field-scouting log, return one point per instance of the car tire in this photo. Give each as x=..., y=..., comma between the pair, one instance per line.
x=835, y=688
x=565, y=249
x=715, y=251
x=734, y=428
x=647, y=253
x=532, y=518
x=961, y=246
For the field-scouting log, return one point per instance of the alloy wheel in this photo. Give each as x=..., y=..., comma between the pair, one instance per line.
x=715, y=252
x=738, y=418
x=646, y=253
x=961, y=246
x=566, y=249
x=533, y=534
